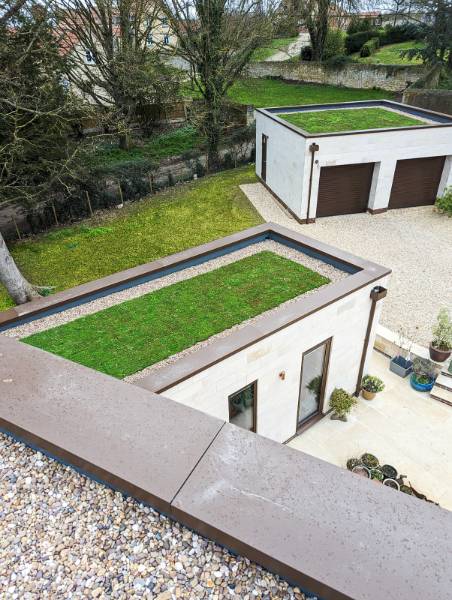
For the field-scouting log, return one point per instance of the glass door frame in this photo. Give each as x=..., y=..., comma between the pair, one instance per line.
x=299, y=427
x=253, y=384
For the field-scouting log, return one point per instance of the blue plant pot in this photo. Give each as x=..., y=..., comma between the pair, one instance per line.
x=421, y=387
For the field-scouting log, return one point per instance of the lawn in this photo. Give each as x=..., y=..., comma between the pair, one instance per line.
x=171, y=143
x=130, y=336
x=168, y=222
x=271, y=48
x=326, y=121
x=274, y=92
x=390, y=55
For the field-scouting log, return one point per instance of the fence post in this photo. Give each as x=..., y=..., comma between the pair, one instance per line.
x=89, y=203
x=150, y=183
x=17, y=228
x=55, y=213
x=120, y=193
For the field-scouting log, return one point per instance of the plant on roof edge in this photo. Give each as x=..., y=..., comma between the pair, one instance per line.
x=441, y=345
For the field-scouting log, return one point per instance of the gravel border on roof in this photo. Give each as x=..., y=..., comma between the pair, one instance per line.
x=63, y=535
x=134, y=292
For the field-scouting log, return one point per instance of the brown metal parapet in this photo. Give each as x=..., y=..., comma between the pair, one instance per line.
x=323, y=528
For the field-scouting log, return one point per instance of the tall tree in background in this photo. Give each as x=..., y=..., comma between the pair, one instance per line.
x=217, y=38
x=37, y=114
x=111, y=57
x=437, y=31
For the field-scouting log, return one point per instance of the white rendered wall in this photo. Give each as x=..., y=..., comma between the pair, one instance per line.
x=277, y=400
x=285, y=160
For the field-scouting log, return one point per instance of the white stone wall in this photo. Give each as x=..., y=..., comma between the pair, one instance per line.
x=345, y=321
x=384, y=148
x=285, y=150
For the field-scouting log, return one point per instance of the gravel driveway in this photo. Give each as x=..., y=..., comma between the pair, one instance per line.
x=416, y=243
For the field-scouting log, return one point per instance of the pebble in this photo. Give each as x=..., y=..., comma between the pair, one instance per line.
x=65, y=536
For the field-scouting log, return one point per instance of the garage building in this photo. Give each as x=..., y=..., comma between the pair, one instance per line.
x=336, y=173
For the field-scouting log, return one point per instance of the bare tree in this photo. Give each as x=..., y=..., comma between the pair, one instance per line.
x=112, y=58
x=217, y=38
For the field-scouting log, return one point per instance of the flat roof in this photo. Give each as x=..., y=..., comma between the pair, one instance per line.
x=436, y=119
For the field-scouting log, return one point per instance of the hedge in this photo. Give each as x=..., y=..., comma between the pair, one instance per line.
x=370, y=47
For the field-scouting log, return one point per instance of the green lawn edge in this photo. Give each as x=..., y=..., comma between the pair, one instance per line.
x=332, y=121
x=128, y=337
x=170, y=221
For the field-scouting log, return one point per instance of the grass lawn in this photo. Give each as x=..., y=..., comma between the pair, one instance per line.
x=273, y=92
x=128, y=337
x=390, y=55
x=272, y=48
x=168, y=222
x=171, y=143
x=325, y=121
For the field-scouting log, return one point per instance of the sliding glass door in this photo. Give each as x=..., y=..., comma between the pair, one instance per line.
x=314, y=369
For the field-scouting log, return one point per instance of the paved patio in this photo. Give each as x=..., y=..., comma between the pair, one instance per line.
x=413, y=242
x=404, y=428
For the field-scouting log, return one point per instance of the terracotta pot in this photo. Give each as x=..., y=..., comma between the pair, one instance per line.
x=368, y=395
x=439, y=355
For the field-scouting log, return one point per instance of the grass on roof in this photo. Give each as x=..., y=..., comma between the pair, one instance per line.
x=128, y=337
x=168, y=222
x=390, y=55
x=326, y=121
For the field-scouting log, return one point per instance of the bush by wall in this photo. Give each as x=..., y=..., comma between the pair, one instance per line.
x=444, y=203
x=306, y=53
x=355, y=41
x=370, y=47
x=334, y=44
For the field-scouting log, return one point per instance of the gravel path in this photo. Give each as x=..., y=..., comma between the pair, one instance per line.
x=414, y=242
x=65, y=536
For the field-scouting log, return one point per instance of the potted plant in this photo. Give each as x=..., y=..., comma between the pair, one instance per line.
x=441, y=345
x=423, y=376
x=401, y=364
x=342, y=403
x=370, y=386
x=370, y=460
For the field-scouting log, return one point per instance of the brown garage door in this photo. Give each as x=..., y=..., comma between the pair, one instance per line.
x=344, y=190
x=416, y=182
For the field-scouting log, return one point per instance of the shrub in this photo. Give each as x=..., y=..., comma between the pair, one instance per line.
x=306, y=53
x=338, y=62
x=444, y=203
x=342, y=402
x=372, y=384
x=394, y=34
x=370, y=47
x=354, y=42
x=442, y=331
x=357, y=25
x=334, y=44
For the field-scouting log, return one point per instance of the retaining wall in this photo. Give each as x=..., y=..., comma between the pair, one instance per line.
x=393, y=78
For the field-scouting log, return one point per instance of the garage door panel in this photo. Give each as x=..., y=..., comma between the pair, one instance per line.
x=416, y=182
x=344, y=189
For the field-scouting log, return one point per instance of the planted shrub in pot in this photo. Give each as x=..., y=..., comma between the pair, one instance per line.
x=370, y=386
x=441, y=345
x=401, y=364
x=423, y=376
x=342, y=403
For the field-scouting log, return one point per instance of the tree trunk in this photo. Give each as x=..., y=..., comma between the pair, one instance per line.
x=124, y=141
x=16, y=285
x=212, y=128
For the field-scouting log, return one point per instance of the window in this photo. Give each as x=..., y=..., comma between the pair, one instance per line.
x=149, y=40
x=89, y=57
x=164, y=21
x=242, y=407
x=166, y=39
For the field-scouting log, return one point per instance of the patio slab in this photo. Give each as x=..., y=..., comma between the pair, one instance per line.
x=402, y=427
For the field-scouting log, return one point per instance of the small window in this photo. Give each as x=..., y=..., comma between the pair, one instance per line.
x=149, y=40
x=166, y=39
x=164, y=21
x=242, y=407
x=89, y=57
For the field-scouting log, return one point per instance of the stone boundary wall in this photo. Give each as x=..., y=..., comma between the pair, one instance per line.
x=437, y=100
x=393, y=78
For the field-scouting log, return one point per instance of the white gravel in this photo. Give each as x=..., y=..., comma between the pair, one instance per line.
x=65, y=536
x=415, y=243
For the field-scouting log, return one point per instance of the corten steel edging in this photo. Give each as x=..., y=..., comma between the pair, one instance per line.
x=137, y=275
x=87, y=291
